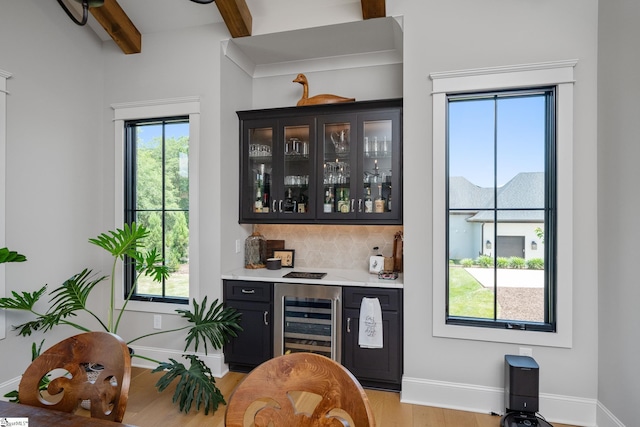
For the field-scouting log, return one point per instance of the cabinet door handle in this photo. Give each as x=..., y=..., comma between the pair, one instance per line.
x=273, y=205
x=248, y=291
x=359, y=205
x=348, y=325
x=280, y=205
x=265, y=316
x=353, y=204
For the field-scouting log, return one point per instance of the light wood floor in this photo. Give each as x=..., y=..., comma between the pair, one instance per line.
x=148, y=408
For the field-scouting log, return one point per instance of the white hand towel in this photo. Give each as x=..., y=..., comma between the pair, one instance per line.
x=370, y=327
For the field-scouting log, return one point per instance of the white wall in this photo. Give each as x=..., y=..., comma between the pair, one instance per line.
x=463, y=34
x=175, y=64
x=53, y=168
x=618, y=232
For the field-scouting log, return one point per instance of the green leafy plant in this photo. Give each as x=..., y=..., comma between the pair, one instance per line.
x=535, y=264
x=516, y=262
x=485, y=261
x=205, y=326
x=466, y=262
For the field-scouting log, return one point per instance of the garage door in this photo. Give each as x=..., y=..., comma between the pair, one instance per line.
x=509, y=246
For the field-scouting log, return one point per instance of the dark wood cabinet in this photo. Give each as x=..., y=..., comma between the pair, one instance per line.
x=327, y=164
x=374, y=367
x=254, y=344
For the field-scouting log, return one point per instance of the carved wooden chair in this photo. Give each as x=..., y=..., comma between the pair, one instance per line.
x=280, y=390
x=64, y=367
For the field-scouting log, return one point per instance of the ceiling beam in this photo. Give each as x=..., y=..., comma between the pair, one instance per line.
x=237, y=16
x=118, y=25
x=373, y=9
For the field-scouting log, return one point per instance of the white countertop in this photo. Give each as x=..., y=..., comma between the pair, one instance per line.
x=336, y=277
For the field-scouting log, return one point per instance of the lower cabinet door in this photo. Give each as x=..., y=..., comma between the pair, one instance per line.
x=374, y=367
x=254, y=344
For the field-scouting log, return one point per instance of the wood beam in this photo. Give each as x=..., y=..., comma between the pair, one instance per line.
x=118, y=25
x=373, y=9
x=236, y=16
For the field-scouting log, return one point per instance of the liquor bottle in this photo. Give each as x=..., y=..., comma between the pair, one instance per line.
x=257, y=205
x=368, y=203
x=289, y=203
x=378, y=203
x=328, y=201
x=343, y=202
x=302, y=203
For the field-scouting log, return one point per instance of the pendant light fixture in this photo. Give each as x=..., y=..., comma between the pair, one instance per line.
x=86, y=4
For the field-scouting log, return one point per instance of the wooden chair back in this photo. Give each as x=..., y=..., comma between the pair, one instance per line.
x=275, y=392
x=65, y=367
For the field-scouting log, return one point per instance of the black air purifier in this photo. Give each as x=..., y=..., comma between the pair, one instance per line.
x=521, y=374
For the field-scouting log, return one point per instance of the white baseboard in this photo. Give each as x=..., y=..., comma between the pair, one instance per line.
x=473, y=398
x=215, y=361
x=605, y=418
x=9, y=386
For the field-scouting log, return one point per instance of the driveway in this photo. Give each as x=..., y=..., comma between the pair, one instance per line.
x=508, y=277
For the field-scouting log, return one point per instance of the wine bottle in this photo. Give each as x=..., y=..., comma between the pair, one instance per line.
x=378, y=203
x=257, y=205
x=343, y=202
x=328, y=201
x=368, y=203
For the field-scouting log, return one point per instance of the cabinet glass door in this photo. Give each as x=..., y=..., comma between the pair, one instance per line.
x=377, y=171
x=338, y=166
x=297, y=171
x=258, y=174
x=379, y=164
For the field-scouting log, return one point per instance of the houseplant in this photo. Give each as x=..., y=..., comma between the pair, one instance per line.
x=212, y=326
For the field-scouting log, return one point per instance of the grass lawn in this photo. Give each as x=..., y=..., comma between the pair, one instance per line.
x=467, y=297
x=177, y=285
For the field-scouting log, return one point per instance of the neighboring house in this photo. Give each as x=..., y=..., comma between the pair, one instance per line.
x=472, y=227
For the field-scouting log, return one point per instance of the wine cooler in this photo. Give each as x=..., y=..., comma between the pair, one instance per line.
x=307, y=318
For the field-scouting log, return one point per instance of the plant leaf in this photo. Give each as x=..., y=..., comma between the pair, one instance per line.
x=11, y=256
x=26, y=301
x=123, y=241
x=195, y=384
x=214, y=327
x=72, y=295
x=151, y=264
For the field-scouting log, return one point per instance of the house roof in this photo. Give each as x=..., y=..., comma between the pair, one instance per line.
x=523, y=191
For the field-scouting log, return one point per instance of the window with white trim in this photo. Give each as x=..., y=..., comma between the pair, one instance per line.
x=166, y=134
x=502, y=183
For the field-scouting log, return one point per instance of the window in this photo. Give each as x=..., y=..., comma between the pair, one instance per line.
x=502, y=185
x=156, y=184
x=157, y=196
x=501, y=209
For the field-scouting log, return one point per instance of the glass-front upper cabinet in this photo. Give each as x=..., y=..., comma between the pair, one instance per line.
x=379, y=165
x=338, y=156
x=277, y=165
x=359, y=154
x=330, y=164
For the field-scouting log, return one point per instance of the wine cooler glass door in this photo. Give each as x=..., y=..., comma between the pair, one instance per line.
x=308, y=319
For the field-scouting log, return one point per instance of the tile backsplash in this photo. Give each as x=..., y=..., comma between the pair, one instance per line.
x=333, y=246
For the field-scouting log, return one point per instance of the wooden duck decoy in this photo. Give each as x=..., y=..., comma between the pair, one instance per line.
x=317, y=99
